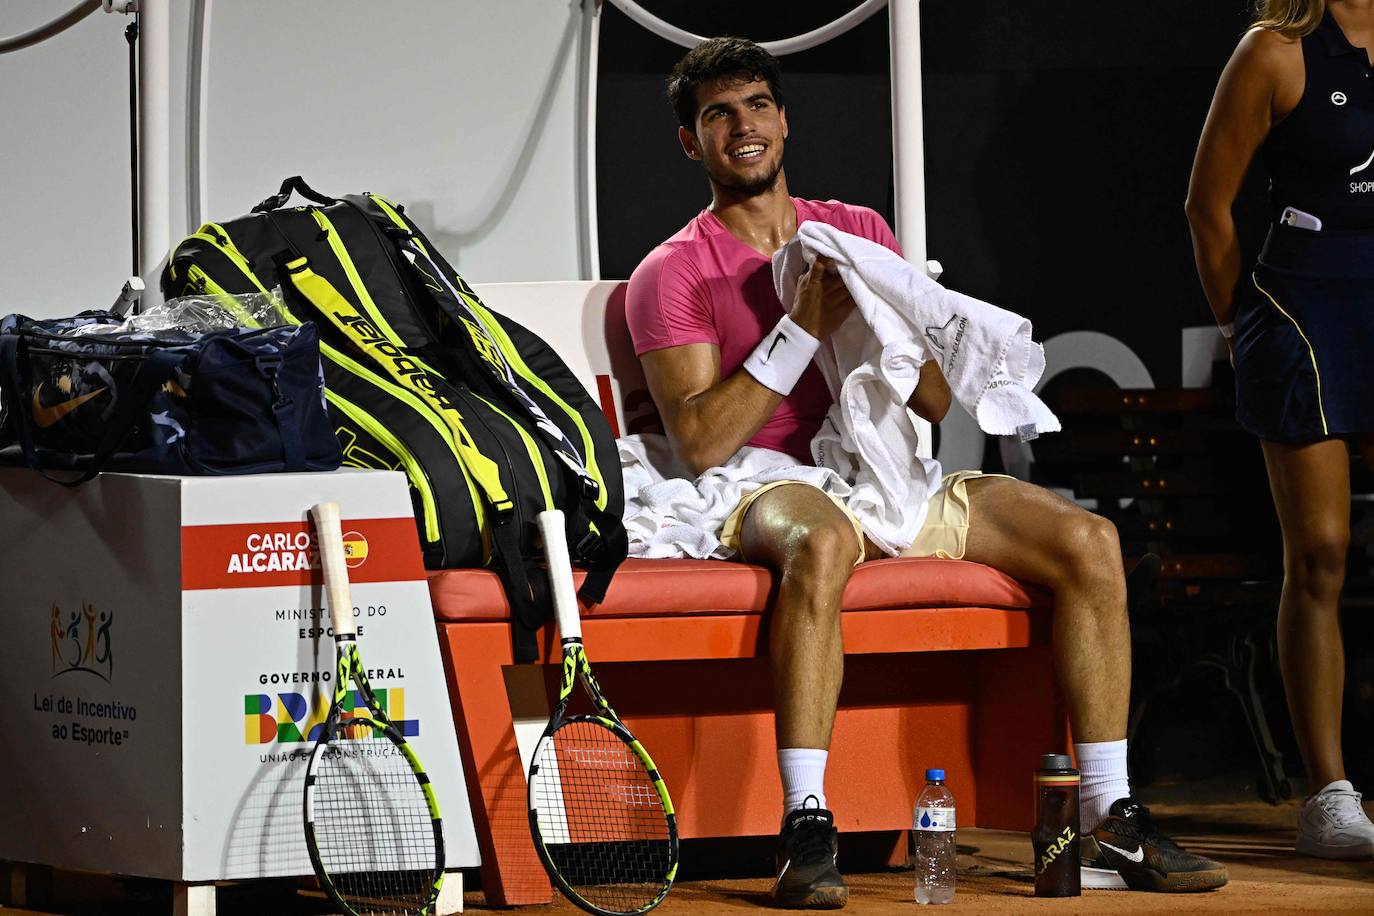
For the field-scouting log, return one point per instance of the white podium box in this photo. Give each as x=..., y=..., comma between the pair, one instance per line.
x=167, y=643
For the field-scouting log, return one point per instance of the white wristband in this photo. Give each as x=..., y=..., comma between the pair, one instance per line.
x=782, y=356
x=1227, y=330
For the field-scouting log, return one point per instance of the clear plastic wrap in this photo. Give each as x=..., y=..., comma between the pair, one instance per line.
x=201, y=314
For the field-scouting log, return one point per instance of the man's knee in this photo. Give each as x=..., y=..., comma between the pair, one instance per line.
x=1090, y=549
x=815, y=559
x=800, y=532
x=819, y=550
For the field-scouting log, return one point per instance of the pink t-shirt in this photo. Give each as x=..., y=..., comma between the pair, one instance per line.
x=704, y=285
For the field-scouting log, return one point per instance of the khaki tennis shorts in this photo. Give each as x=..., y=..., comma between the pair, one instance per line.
x=944, y=533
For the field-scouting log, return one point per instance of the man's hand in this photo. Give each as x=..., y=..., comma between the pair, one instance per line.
x=823, y=302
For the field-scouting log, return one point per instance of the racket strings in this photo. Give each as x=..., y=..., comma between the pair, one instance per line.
x=374, y=829
x=601, y=819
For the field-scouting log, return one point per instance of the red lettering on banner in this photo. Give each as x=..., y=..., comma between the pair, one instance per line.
x=266, y=554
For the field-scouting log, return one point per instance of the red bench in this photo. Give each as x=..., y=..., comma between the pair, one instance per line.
x=947, y=664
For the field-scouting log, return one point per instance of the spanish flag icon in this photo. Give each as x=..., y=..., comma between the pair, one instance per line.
x=355, y=549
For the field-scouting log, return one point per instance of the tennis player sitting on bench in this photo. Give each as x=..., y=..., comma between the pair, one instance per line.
x=697, y=307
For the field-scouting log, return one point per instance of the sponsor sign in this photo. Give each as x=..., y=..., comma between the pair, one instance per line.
x=170, y=698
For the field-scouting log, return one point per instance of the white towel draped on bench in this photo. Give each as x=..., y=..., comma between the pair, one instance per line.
x=669, y=513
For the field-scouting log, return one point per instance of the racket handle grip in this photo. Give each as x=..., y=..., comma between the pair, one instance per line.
x=329, y=538
x=560, y=574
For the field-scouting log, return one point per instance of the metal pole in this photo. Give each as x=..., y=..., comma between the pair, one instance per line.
x=908, y=134
x=48, y=30
x=154, y=142
x=197, y=67
x=802, y=42
x=589, y=254
x=908, y=148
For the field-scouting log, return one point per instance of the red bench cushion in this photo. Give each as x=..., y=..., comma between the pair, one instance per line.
x=651, y=588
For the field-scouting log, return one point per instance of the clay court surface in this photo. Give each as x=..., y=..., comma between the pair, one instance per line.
x=1253, y=838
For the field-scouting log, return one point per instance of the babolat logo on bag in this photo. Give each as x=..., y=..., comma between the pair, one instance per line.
x=487, y=421
x=393, y=356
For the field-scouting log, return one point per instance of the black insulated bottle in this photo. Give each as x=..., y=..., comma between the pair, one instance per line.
x=1055, y=837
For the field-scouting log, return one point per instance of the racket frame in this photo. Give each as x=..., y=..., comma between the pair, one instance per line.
x=349, y=672
x=577, y=668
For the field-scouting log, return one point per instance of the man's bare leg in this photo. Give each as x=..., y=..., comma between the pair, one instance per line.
x=798, y=532
x=1037, y=536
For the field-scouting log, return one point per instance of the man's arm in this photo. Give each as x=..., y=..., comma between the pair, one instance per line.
x=708, y=418
x=931, y=399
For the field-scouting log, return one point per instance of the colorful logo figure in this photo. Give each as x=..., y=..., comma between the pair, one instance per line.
x=355, y=549
x=293, y=718
x=81, y=642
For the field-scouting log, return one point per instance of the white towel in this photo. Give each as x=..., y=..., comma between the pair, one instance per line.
x=986, y=352
x=872, y=365
x=668, y=513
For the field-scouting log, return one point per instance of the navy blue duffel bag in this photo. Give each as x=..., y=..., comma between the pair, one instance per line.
x=79, y=395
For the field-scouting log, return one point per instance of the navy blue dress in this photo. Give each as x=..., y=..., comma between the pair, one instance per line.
x=1304, y=364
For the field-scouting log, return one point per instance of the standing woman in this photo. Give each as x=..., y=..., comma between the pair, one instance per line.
x=1299, y=90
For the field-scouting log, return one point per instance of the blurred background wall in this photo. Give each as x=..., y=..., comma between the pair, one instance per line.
x=463, y=110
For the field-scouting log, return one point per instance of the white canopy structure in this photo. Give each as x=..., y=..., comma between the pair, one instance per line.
x=154, y=130
x=908, y=143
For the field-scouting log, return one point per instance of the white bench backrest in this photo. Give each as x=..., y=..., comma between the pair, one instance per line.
x=584, y=321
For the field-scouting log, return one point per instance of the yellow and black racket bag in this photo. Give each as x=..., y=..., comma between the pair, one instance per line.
x=486, y=420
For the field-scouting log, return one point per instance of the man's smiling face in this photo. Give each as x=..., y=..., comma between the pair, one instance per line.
x=739, y=135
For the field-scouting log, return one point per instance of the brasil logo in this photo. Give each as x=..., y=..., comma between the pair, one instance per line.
x=295, y=718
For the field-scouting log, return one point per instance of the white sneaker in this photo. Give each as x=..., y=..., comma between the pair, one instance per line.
x=1332, y=824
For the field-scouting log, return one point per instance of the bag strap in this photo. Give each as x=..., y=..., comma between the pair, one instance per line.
x=455, y=305
x=13, y=353
x=526, y=590
x=283, y=412
x=14, y=383
x=158, y=368
x=491, y=356
x=297, y=184
x=603, y=544
x=331, y=306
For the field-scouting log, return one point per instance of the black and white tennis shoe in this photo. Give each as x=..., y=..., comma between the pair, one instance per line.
x=1128, y=852
x=807, y=846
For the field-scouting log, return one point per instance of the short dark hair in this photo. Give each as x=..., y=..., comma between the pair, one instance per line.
x=716, y=59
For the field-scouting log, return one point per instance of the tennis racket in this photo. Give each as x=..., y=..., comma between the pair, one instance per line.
x=371, y=822
x=601, y=818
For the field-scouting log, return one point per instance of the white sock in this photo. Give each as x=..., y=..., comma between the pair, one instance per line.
x=803, y=774
x=1103, y=766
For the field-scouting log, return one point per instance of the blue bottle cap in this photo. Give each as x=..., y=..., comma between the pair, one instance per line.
x=935, y=775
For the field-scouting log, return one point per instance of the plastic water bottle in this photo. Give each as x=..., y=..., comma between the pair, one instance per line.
x=932, y=831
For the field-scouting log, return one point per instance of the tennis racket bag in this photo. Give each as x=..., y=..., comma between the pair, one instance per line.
x=84, y=394
x=486, y=420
